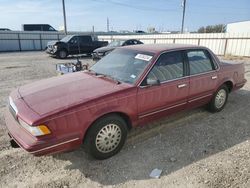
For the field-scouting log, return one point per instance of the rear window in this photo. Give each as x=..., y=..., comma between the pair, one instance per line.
x=85, y=39
x=199, y=62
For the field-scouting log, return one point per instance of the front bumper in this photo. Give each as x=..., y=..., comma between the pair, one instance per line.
x=38, y=145
x=51, y=51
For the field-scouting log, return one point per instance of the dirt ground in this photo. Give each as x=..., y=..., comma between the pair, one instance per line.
x=194, y=148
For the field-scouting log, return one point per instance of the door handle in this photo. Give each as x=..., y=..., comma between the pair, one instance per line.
x=214, y=77
x=182, y=85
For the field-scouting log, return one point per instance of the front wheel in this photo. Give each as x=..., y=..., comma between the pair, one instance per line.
x=219, y=99
x=106, y=137
x=62, y=54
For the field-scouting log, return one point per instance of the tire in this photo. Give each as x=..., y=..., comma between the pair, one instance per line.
x=219, y=99
x=62, y=54
x=106, y=137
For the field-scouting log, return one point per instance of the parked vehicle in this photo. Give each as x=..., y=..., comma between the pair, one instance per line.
x=37, y=27
x=100, y=52
x=5, y=29
x=74, y=44
x=131, y=86
x=139, y=31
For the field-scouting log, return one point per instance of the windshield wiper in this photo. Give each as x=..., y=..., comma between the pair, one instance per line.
x=92, y=72
x=104, y=75
x=108, y=76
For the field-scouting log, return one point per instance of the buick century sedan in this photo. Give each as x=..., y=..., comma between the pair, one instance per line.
x=129, y=87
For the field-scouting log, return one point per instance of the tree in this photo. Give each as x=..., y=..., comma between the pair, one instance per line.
x=219, y=28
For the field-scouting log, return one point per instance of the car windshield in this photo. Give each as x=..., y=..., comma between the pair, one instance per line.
x=116, y=43
x=123, y=65
x=67, y=38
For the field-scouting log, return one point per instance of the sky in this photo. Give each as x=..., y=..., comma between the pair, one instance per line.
x=164, y=15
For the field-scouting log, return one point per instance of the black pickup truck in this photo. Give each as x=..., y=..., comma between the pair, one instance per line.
x=74, y=44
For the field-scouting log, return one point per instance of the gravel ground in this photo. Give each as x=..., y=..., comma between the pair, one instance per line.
x=194, y=148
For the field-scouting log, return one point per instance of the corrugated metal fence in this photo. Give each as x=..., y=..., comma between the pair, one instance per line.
x=25, y=41
x=236, y=44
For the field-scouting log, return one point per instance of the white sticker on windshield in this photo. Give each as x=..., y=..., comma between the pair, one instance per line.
x=132, y=76
x=143, y=57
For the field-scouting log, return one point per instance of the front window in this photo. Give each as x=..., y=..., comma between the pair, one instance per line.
x=169, y=66
x=67, y=38
x=123, y=65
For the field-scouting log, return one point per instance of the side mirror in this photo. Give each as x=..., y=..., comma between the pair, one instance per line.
x=153, y=82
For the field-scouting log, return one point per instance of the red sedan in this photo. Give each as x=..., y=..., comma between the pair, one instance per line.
x=129, y=87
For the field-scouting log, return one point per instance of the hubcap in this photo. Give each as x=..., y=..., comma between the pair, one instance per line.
x=220, y=98
x=108, y=138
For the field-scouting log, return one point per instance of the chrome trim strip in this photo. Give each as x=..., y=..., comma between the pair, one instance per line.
x=214, y=61
x=151, y=113
x=12, y=104
x=200, y=97
x=55, y=145
x=166, y=81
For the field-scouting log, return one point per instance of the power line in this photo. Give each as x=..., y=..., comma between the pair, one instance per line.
x=216, y=6
x=143, y=8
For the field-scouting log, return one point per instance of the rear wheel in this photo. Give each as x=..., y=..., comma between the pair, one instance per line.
x=106, y=137
x=62, y=54
x=219, y=99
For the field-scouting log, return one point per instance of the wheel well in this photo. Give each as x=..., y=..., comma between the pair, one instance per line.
x=63, y=49
x=126, y=118
x=122, y=115
x=229, y=85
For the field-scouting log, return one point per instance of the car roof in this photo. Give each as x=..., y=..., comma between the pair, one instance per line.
x=80, y=35
x=124, y=39
x=158, y=48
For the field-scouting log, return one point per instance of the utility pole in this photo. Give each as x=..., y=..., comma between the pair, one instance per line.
x=107, y=24
x=64, y=18
x=183, y=15
x=93, y=29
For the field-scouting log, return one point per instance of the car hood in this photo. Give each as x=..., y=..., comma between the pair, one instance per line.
x=55, y=94
x=104, y=49
x=52, y=42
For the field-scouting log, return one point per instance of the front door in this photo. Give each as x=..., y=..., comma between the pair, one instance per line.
x=73, y=46
x=170, y=94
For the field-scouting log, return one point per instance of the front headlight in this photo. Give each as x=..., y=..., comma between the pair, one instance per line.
x=55, y=47
x=100, y=53
x=106, y=53
x=36, y=130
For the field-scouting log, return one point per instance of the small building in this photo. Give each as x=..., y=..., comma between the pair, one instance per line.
x=238, y=27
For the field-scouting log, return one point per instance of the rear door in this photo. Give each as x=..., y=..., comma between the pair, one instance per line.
x=172, y=92
x=203, y=76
